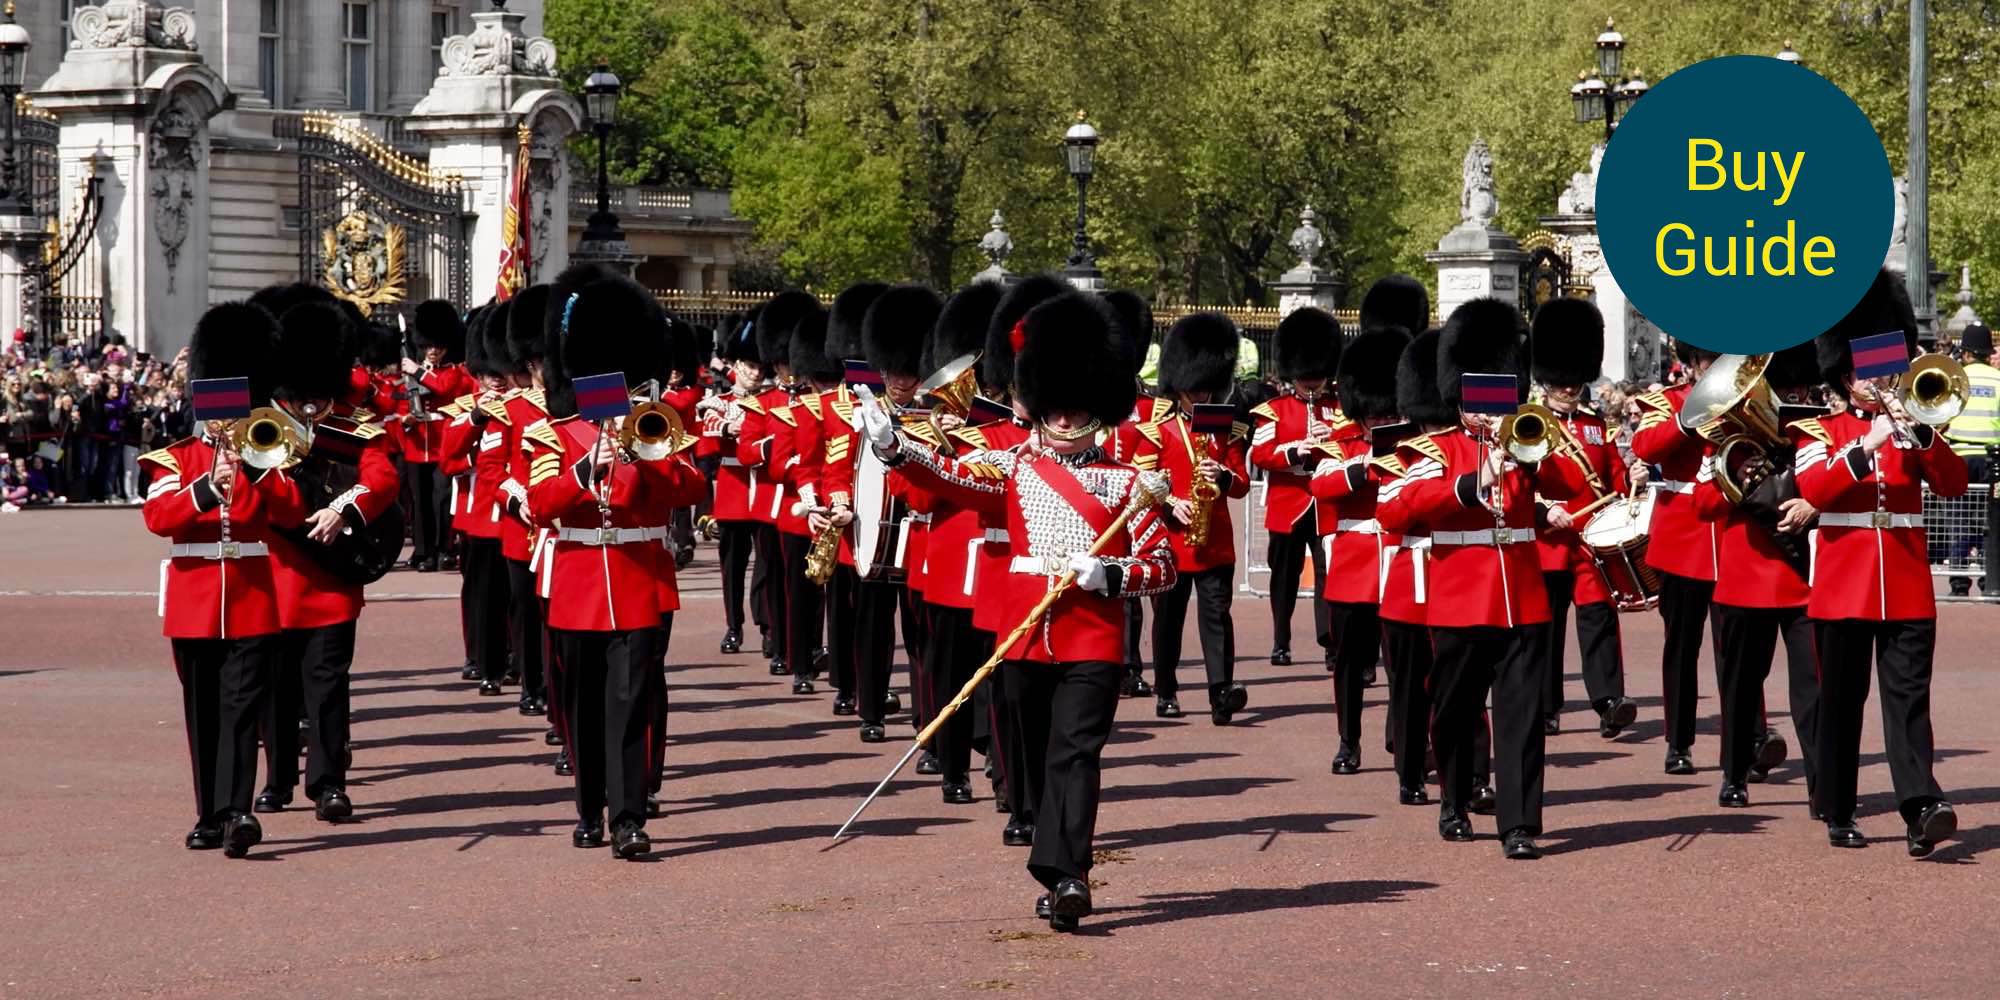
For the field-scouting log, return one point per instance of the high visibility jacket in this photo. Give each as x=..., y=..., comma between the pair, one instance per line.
x=1977, y=427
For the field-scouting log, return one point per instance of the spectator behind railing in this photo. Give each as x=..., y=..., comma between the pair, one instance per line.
x=81, y=416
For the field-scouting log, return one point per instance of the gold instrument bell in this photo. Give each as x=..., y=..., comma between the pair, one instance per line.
x=652, y=431
x=1732, y=406
x=954, y=385
x=1527, y=433
x=265, y=438
x=1934, y=390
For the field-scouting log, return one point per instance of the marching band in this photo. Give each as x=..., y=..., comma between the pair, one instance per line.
x=981, y=480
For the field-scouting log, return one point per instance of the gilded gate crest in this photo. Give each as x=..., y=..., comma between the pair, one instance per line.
x=364, y=260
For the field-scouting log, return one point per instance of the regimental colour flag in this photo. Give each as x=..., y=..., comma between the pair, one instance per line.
x=515, y=233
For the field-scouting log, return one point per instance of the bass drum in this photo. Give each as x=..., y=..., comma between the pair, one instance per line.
x=1617, y=537
x=358, y=557
x=878, y=521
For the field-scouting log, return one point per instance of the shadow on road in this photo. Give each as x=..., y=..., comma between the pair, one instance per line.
x=1166, y=909
x=1191, y=788
x=1164, y=759
x=1613, y=793
x=1268, y=827
x=909, y=827
x=1679, y=831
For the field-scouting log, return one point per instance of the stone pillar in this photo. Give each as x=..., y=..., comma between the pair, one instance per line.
x=996, y=246
x=690, y=275
x=1307, y=284
x=21, y=240
x=135, y=100
x=314, y=40
x=495, y=81
x=407, y=42
x=1477, y=259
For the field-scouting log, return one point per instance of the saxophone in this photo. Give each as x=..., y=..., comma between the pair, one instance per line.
x=1205, y=494
x=824, y=556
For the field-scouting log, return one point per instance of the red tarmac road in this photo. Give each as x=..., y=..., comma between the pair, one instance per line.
x=1232, y=862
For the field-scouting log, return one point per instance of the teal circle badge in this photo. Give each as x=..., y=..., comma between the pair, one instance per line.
x=1744, y=204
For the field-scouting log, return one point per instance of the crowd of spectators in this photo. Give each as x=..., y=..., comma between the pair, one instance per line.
x=75, y=418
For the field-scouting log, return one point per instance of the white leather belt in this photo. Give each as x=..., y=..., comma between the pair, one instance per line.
x=1359, y=526
x=729, y=462
x=217, y=550
x=1869, y=519
x=608, y=536
x=1484, y=536
x=1673, y=486
x=1038, y=565
x=997, y=536
x=918, y=518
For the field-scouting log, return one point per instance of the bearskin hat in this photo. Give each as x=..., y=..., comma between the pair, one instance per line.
x=1568, y=342
x=737, y=338
x=810, y=359
x=1795, y=367
x=996, y=366
x=382, y=347
x=1134, y=318
x=1397, y=300
x=497, y=338
x=843, y=322
x=896, y=327
x=278, y=299
x=685, y=351
x=1417, y=396
x=775, y=322
x=481, y=339
x=1308, y=344
x=1884, y=308
x=1064, y=350
x=1689, y=353
x=437, y=323
x=961, y=327
x=527, y=336
x=1368, y=373
x=1975, y=343
x=1483, y=335
x=236, y=340
x=609, y=325
x=312, y=360
x=1199, y=356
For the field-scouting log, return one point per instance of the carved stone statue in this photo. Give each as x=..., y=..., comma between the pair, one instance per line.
x=996, y=245
x=1477, y=202
x=134, y=24
x=1580, y=198
x=1898, y=257
x=495, y=48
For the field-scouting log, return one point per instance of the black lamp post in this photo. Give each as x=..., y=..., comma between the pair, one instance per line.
x=1790, y=55
x=1594, y=96
x=600, y=101
x=1080, y=152
x=13, y=76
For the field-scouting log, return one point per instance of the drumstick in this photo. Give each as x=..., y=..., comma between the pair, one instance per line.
x=1599, y=502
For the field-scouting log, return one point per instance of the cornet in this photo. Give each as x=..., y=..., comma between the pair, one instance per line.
x=1931, y=393
x=265, y=439
x=651, y=431
x=1527, y=433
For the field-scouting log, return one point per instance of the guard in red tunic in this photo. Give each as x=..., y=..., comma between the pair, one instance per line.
x=1134, y=332
x=525, y=404
x=1568, y=348
x=347, y=480
x=764, y=432
x=1197, y=367
x=1059, y=496
x=1684, y=548
x=821, y=374
x=1347, y=477
x=1480, y=507
x=1865, y=470
x=480, y=432
x=721, y=429
x=835, y=483
x=1761, y=592
x=434, y=381
x=1284, y=440
x=607, y=511
x=218, y=595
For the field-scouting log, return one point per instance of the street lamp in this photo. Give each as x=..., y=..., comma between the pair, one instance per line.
x=1790, y=55
x=14, y=46
x=600, y=102
x=1594, y=96
x=1080, y=153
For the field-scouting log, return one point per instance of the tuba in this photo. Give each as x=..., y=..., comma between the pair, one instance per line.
x=265, y=439
x=652, y=431
x=1529, y=433
x=952, y=387
x=1732, y=406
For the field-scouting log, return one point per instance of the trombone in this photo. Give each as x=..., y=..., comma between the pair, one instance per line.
x=1933, y=392
x=266, y=439
x=1528, y=434
x=651, y=431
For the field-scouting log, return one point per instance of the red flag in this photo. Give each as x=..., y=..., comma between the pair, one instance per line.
x=514, y=229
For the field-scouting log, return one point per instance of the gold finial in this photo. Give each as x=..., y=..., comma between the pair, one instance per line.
x=10, y=8
x=1788, y=43
x=1608, y=24
x=1079, y=114
x=1582, y=75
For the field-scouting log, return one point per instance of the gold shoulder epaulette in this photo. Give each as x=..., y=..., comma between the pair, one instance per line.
x=164, y=459
x=1389, y=464
x=843, y=405
x=497, y=409
x=1264, y=410
x=1656, y=400
x=1150, y=432
x=367, y=431
x=752, y=403
x=981, y=470
x=923, y=430
x=971, y=437
x=811, y=402
x=361, y=415
x=465, y=402
x=1814, y=429
x=1425, y=445
x=784, y=413
x=1239, y=431
x=538, y=397
x=542, y=432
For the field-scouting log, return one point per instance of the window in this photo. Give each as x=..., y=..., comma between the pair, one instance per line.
x=269, y=44
x=357, y=38
x=441, y=29
x=68, y=9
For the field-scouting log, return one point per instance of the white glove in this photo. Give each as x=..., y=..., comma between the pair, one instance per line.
x=874, y=422
x=1090, y=574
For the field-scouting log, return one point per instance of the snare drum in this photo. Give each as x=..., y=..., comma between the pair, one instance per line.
x=1617, y=537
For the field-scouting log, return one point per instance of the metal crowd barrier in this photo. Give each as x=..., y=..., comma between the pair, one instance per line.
x=1955, y=529
x=1251, y=554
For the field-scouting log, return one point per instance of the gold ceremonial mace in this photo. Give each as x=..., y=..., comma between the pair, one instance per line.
x=1147, y=493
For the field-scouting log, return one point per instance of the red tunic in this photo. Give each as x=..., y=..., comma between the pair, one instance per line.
x=761, y=433
x=1279, y=445
x=483, y=431
x=996, y=547
x=202, y=597
x=596, y=587
x=1123, y=443
x=1564, y=551
x=1871, y=517
x=1164, y=444
x=1682, y=543
x=308, y=595
x=1406, y=570
x=1357, y=551
x=1483, y=567
x=733, y=482
x=1754, y=573
x=517, y=534
x=423, y=440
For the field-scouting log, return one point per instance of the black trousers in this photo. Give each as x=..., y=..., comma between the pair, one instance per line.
x=1023, y=789
x=1135, y=626
x=842, y=627
x=1902, y=653
x=224, y=683
x=1066, y=714
x=1356, y=630
x=606, y=680
x=1466, y=663
x=1597, y=644
x=483, y=590
x=767, y=587
x=802, y=603
x=558, y=708
x=656, y=709
x=1745, y=640
x=427, y=500
x=311, y=676
x=1684, y=606
x=1286, y=556
x=874, y=645
x=738, y=538
x=524, y=616
x=955, y=650
x=914, y=616
x=1212, y=590
x=1408, y=651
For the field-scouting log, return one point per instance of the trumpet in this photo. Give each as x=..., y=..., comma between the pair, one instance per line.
x=1527, y=434
x=708, y=527
x=265, y=439
x=1932, y=393
x=651, y=431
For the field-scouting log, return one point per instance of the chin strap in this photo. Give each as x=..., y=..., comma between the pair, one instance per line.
x=1087, y=430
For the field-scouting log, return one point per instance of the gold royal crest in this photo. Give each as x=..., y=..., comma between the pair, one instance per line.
x=364, y=261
